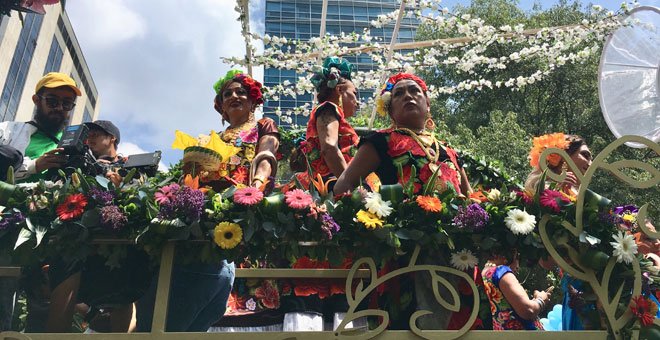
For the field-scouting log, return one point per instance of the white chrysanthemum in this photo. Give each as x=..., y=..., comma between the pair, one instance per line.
x=625, y=247
x=494, y=195
x=375, y=204
x=520, y=222
x=463, y=260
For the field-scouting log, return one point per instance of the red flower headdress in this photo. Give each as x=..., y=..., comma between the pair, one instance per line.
x=384, y=98
x=254, y=88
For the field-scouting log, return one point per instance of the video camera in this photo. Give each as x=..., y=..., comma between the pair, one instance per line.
x=73, y=143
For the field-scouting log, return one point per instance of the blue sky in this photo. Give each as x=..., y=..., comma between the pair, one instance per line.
x=154, y=62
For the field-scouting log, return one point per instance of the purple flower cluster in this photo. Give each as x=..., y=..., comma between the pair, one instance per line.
x=630, y=208
x=474, y=217
x=186, y=201
x=11, y=219
x=112, y=218
x=329, y=226
x=101, y=197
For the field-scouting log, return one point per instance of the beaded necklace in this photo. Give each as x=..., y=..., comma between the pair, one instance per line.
x=230, y=134
x=432, y=148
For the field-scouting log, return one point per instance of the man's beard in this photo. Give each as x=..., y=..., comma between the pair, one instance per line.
x=53, y=123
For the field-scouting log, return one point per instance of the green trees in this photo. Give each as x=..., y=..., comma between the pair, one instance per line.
x=498, y=123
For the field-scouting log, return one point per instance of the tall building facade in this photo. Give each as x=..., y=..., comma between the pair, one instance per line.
x=34, y=46
x=301, y=19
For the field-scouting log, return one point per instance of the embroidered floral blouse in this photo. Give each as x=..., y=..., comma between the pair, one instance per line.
x=348, y=140
x=396, y=149
x=504, y=317
x=247, y=139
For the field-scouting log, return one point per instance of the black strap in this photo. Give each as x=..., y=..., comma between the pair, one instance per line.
x=48, y=134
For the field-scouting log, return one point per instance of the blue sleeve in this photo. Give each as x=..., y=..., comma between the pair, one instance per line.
x=499, y=273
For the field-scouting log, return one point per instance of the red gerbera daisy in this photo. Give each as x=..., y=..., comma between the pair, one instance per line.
x=72, y=207
x=644, y=310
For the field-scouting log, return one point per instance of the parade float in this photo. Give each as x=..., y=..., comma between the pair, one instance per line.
x=585, y=233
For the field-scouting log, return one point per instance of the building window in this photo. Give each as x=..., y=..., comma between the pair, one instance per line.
x=54, y=57
x=20, y=64
x=87, y=117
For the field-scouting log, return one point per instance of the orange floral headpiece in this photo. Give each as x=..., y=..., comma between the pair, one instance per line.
x=551, y=140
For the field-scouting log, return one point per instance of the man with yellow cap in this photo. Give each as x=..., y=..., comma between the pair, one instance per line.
x=55, y=96
x=36, y=143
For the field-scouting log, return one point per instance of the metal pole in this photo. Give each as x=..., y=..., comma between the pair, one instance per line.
x=390, y=51
x=163, y=289
x=246, y=29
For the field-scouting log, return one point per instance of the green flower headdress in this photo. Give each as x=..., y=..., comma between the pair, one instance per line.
x=332, y=69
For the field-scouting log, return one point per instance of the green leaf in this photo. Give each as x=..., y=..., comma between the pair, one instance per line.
x=409, y=234
x=102, y=181
x=268, y=226
x=248, y=231
x=129, y=176
x=91, y=218
x=83, y=181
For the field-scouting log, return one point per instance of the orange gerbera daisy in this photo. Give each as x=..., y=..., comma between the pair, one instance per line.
x=551, y=140
x=479, y=196
x=429, y=203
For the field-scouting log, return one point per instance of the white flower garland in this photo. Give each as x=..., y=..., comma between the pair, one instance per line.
x=553, y=47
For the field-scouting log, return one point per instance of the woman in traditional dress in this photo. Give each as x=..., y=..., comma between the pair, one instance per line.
x=392, y=153
x=200, y=291
x=253, y=304
x=510, y=306
x=329, y=146
x=573, y=314
x=409, y=142
x=331, y=142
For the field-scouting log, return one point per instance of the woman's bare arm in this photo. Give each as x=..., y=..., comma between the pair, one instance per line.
x=365, y=162
x=516, y=296
x=327, y=127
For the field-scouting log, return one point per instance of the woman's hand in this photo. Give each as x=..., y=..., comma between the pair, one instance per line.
x=571, y=181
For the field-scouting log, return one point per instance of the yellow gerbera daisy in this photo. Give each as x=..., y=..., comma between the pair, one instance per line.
x=371, y=221
x=227, y=235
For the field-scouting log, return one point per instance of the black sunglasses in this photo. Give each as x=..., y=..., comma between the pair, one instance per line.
x=54, y=102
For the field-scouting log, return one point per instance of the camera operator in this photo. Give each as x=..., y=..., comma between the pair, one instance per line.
x=103, y=138
x=54, y=98
x=36, y=143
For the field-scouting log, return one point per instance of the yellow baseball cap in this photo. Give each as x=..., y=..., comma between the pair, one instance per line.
x=56, y=79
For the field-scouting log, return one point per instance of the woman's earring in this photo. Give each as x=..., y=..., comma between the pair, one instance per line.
x=429, y=124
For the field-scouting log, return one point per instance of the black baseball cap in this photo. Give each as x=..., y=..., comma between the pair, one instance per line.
x=106, y=126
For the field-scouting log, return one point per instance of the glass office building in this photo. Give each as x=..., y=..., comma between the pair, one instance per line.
x=34, y=46
x=301, y=19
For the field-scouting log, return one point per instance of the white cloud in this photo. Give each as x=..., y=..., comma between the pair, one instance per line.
x=159, y=78
x=108, y=23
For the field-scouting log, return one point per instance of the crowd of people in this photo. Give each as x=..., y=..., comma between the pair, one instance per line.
x=206, y=297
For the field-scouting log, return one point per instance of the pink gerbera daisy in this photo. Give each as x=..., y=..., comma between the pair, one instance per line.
x=551, y=198
x=298, y=199
x=248, y=196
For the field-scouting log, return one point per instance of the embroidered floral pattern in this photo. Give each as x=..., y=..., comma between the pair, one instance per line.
x=504, y=317
x=406, y=152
